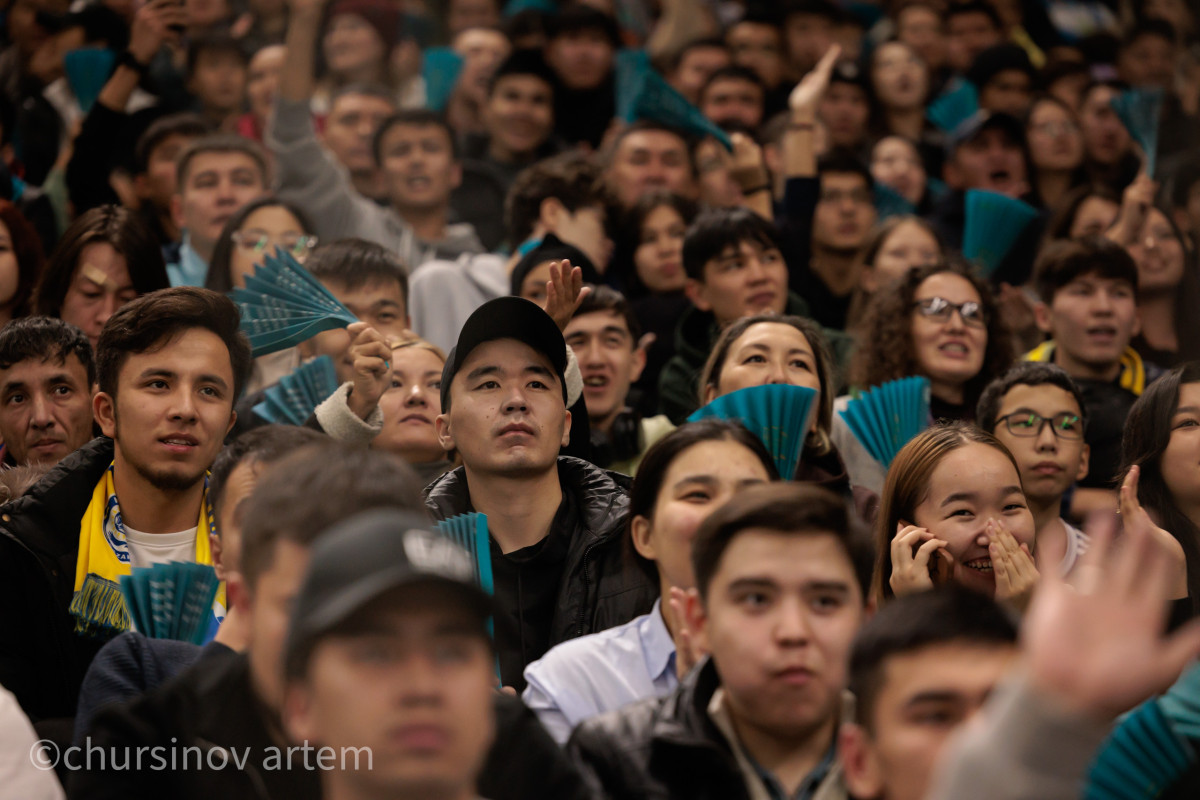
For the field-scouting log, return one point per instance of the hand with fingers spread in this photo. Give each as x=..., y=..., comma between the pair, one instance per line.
x=1098, y=646
x=564, y=292
x=920, y=561
x=1013, y=566
x=1135, y=518
x=687, y=654
x=371, y=355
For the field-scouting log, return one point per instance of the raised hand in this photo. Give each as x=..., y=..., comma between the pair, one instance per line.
x=808, y=92
x=371, y=355
x=913, y=566
x=687, y=653
x=1012, y=564
x=1134, y=518
x=155, y=23
x=564, y=292
x=746, y=166
x=1135, y=205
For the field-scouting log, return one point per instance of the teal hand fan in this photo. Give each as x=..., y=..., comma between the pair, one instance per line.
x=283, y=305
x=887, y=417
x=470, y=532
x=88, y=69
x=440, y=67
x=515, y=7
x=1140, y=110
x=643, y=94
x=171, y=601
x=293, y=399
x=890, y=203
x=1181, y=703
x=953, y=107
x=1140, y=759
x=993, y=225
x=776, y=413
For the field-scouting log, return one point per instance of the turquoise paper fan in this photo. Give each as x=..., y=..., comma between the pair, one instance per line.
x=470, y=532
x=1141, y=759
x=643, y=94
x=283, y=305
x=776, y=413
x=993, y=225
x=887, y=417
x=440, y=67
x=293, y=399
x=1140, y=110
x=171, y=601
x=890, y=203
x=950, y=109
x=88, y=69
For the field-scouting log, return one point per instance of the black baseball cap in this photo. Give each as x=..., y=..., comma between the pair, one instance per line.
x=364, y=557
x=982, y=121
x=508, y=318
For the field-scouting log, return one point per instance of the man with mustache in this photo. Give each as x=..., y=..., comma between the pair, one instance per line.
x=560, y=563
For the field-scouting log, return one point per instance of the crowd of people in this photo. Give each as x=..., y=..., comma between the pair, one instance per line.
x=563, y=229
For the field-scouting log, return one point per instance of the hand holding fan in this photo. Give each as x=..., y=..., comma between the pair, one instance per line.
x=643, y=94
x=283, y=305
x=171, y=601
x=778, y=414
x=994, y=223
x=293, y=399
x=1142, y=758
x=886, y=417
x=1140, y=110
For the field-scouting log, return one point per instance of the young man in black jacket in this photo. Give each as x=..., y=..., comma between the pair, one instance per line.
x=169, y=366
x=782, y=581
x=561, y=562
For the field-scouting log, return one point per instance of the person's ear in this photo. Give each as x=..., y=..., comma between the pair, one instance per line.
x=214, y=545
x=640, y=529
x=697, y=292
x=550, y=213
x=296, y=713
x=566, y=437
x=638, y=364
x=1137, y=323
x=104, y=411
x=1085, y=458
x=441, y=424
x=1043, y=317
x=710, y=393
x=860, y=763
x=177, y=209
x=232, y=421
x=868, y=279
x=697, y=620
x=456, y=175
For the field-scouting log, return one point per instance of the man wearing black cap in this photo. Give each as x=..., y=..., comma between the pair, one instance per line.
x=389, y=663
x=559, y=557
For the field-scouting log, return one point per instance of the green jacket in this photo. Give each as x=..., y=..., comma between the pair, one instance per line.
x=697, y=332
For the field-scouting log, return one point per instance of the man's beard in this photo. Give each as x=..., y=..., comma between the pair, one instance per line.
x=163, y=480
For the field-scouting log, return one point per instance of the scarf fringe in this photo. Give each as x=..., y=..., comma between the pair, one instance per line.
x=99, y=608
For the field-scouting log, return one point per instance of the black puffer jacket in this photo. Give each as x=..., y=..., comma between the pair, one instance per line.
x=42, y=661
x=602, y=584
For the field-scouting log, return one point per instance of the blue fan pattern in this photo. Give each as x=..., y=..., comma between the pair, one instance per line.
x=887, y=417
x=440, y=68
x=643, y=94
x=1140, y=110
x=994, y=223
x=954, y=107
x=1140, y=759
x=890, y=203
x=777, y=414
x=293, y=399
x=171, y=601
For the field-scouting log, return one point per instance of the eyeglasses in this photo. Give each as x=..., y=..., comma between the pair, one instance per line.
x=1027, y=425
x=941, y=309
x=257, y=241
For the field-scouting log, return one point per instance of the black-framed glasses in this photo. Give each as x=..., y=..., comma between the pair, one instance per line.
x=1027, y=424
x=941, y=309
x=258, y=241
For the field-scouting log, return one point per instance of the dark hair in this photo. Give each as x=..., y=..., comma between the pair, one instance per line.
x=221, y=143
x=27, y=249
x=606, y=298
x=1187, y=292
x=1062, y=262
x=213, y=40
x=45, y=339
x=733, y=73
x=578, y=17
x=112, y=225
x=974, y=7
x=153, y=320
x=1147, y=434
x=1186, y=176
x=713, y=42
x=907, y=486
x=363, y=89
x=570, y=179
x=885, y=351
x=184, y=123
x=814, y=8
x=1149, y=26
x=716, y=229
x=947, y=615
x=710, y=375
x=354, y=263
x=1025, y=373
x=843, y=161
x=307, y=491
x=630, y=224
x=787, y=508
x=413, y=118
x=1059, y=225
x=644, y=126
x=263, y=445
x=219, y=278
x=652, y=471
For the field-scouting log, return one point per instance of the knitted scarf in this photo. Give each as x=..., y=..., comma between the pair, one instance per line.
x=98, y=605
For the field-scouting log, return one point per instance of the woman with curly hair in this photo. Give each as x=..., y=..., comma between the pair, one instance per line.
x=941, y=322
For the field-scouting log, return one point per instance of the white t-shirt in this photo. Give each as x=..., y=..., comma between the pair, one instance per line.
x=148, y=549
